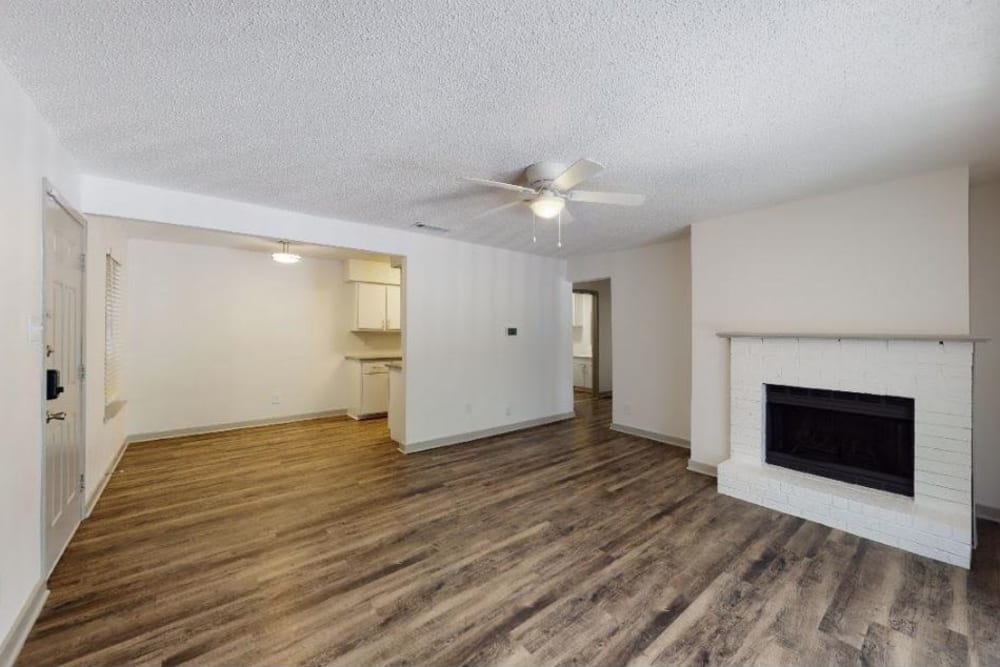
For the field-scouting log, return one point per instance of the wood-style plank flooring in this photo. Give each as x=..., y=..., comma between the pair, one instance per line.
x=318, y=543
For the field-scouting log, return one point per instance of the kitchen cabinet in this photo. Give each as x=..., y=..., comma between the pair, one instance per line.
x=578, y=309
x=393, y=318
x=583, y=372
x=376, y=307
x=369, y=306
x=368, y=393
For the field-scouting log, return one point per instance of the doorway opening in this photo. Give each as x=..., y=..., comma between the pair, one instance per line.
x=591, y=339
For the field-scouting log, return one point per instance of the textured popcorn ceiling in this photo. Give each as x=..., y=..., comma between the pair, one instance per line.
x=368, y=111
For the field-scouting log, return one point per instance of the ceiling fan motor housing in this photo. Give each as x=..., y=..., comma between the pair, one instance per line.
x=542, y=173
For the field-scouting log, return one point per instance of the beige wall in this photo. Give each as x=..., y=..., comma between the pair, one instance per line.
x=29, y=152
x=217, y=334
x=889, y=258
x=984, y=257
x=651, y=337
x=105, y=437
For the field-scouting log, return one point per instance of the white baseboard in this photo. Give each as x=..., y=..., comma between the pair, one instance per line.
x=14, y=641
x=462, y=438
x=652, y=435
x=988, y=513
x=96, y=494
x=702, y=468
x=232, y=426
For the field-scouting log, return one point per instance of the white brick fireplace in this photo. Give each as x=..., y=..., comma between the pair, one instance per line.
x=936, y=372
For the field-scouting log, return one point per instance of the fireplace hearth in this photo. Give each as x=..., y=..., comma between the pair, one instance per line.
x=858, y=438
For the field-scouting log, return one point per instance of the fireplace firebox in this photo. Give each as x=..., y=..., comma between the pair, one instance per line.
x=857, y=438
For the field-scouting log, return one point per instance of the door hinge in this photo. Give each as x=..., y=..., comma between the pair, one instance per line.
x=83, y=372
x=83, y=262
x=82, y=487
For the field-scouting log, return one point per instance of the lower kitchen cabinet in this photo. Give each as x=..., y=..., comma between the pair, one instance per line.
x=583, y=372
x=368, y=390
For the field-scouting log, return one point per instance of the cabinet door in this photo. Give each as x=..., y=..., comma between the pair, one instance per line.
x=577, y=310
x=375, y=393
x=392, y=314
x=370, y=305
x=586, y=371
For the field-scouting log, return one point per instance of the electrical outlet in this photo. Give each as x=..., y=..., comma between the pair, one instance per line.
x=275, y=399
x=468, y=408
x=507, y=411
x=627, y=410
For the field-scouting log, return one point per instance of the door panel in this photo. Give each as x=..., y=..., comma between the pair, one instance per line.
x=375, y=393
x=370, y=306
x=392, y=308
x=63, y=421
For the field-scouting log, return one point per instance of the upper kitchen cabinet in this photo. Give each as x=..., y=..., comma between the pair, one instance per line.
x=376, y=296
x=578, y=309
x=393, y=318
x=369, y=307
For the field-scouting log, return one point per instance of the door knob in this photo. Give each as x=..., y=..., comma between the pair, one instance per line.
x=57, y=416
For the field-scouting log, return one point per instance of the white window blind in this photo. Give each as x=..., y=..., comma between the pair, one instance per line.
x=112, y=330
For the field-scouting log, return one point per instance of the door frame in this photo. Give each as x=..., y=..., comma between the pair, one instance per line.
x=49, y=192
x=595, y=341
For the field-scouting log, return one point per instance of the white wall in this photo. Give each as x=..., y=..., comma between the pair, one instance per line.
x=463, y=374
x=29, y=151
x=604, y=337
x=984, y=249
x=651, y=322
x=105, y=437
x=218, y=333
x=889, y=258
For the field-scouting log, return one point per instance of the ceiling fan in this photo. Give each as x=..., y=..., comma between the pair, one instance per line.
x=550, y=186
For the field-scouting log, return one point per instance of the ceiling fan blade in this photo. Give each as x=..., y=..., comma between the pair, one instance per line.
x=498, y=184
x=618, y=198
x=497, y=209
x=576, y=173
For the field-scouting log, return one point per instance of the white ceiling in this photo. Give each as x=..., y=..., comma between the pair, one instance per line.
x=156, y=231
x=368, y=111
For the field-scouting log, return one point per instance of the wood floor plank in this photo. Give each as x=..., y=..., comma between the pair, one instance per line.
x=318, y=543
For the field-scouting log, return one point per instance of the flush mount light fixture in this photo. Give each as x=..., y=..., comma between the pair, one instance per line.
x=285, y=257
x=547, y=205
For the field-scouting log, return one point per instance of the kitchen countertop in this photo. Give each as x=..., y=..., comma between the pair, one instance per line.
x=395, y=365
x=374, y=356
x=583, y=356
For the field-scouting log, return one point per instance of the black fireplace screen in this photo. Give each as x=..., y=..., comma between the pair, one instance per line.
x=858, y=438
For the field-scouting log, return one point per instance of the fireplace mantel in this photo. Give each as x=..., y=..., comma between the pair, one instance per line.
x=952, y=338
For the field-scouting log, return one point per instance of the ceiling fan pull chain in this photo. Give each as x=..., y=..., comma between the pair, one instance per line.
x=559, y=227
x=534, y=237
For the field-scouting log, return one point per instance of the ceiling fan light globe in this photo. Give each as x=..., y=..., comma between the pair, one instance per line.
x=547, y=207
x=286, y=257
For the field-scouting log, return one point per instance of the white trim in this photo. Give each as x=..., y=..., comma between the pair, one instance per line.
x=91, y=502
x=652, y=435
x=988, y=513
x=14, y=641
x=232, y=426
x=462, y=438
x=702, y=468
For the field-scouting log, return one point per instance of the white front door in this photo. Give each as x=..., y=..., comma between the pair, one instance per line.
x=63, y=419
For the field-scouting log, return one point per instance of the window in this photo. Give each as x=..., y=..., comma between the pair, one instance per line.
x=112, y=335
